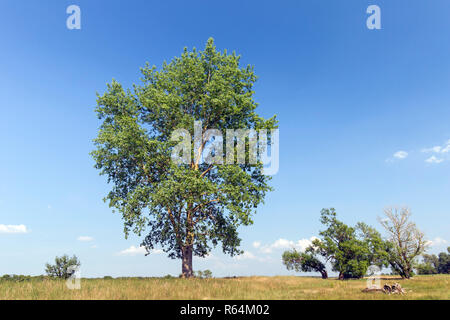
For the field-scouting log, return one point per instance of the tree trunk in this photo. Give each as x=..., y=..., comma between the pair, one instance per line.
x=404, y=272
x=341, y=276
x=186, y=262
x=324, y=274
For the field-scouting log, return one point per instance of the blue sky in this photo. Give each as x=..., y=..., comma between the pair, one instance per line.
x=360, y=111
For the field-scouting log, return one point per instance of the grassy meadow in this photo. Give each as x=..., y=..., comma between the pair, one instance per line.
x=269, y=288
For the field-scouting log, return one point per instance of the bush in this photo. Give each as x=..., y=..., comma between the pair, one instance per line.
x=207, y=274
x=63, y=267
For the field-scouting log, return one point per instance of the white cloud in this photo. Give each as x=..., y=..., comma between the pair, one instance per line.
x=247, y=255
x=437, y=242
x=434, y=160
x=436, y=149
x=304, y=243
x=85, y=238
x=300, y=245
x=256, y=244
x=133, y=251
x=401, y=155
x=446, y=149
x=281, y=244
x=13, y=229
x=209, y=256
x=439, y=149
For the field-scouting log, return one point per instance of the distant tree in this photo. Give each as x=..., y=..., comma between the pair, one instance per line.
x=187, y=208
x=350, y=251
x=429, y=264
x=433, y=264
x=304, y=262
x=407, y=241
x=198, y=274
x=444, y=262
x=63, y=267
x=18, y=278
x=206, y=274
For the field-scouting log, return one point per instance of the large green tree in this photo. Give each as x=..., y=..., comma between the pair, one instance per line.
x=186, y=208
x=349, y=250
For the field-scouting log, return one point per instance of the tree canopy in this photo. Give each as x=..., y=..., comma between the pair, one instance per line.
x=63, y=268
x=435, y=264
x=349, y=250
x=304, y=261
x=186, y=208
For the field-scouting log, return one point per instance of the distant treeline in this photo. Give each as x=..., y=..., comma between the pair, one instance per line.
x=22, y=278
x=435, y=264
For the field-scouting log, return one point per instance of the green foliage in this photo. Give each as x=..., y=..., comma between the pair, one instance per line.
x=349, y=250
x=21, y=278
x=185, y=208
x=426, y=268
x=304, y=261
x=433, y=264
x=206, y=274
x=444, y=262
x=62, y=268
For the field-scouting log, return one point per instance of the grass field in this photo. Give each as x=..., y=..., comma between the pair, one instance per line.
x=270, y=288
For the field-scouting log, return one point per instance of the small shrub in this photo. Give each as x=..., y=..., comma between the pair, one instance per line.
x=62, y=268
x=207, y=274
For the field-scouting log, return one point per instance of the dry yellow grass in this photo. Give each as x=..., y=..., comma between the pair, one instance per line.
x=269, y=288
